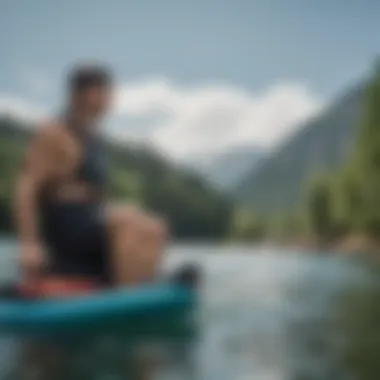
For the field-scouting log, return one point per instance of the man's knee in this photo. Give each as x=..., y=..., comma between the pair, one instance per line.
x=131, y=218
x=123, y=217
x=161, y=229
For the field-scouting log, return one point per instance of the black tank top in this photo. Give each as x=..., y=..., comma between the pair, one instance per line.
x=91, y=171
x=68, y=226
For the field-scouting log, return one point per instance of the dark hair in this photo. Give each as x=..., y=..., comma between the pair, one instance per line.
x=81, y=77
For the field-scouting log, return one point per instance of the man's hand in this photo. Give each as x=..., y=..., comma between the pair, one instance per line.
x=32, y=259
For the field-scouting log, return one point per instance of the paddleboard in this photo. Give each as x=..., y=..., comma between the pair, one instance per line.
x=86, y=312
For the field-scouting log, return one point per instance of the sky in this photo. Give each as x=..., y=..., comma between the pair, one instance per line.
x=193, y=76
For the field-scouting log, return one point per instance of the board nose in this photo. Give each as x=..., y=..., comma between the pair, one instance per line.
x=188, y=275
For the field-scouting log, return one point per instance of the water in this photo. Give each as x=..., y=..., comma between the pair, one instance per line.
x=264, y=314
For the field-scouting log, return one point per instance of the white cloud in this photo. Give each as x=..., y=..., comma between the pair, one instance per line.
x=193, y=120
x=188, y=121
x=20, y=107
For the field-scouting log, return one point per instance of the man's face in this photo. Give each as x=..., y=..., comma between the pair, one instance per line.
x=94, y=101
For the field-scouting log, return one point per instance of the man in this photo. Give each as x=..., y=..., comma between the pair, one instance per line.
x=71, y=239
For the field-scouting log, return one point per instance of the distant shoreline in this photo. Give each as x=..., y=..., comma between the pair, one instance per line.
x=350, y=244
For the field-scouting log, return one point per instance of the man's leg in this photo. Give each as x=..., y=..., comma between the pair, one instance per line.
x=154, y=239
x=137, y=242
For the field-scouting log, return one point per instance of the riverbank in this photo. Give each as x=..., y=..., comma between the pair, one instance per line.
x=356, y=243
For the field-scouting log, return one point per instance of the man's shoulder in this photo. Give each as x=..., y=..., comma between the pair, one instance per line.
x=51, y=131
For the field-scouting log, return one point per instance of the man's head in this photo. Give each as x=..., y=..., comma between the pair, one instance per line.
x=90, y=90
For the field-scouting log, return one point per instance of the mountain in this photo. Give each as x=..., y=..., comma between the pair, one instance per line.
x=321, y=144
x=227, y=168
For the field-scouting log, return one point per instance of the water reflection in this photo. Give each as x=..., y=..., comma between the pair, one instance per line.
x=358, y=320
x=117, y=354
x=264, y=316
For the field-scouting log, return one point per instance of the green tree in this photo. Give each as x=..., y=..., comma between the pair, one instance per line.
x=286, y=227
x=320, y=209
x=247, y=226
x=366, y=160
x=348, y=200
x=10, y=157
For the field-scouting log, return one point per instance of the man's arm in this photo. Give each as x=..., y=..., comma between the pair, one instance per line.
x=39, y=167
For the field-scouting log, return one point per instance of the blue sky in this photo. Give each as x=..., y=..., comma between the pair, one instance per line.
x=252, y=58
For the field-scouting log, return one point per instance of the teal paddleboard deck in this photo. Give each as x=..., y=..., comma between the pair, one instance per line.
x=143, y=304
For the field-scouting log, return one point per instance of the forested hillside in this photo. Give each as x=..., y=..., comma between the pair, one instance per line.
x=322, y=143
x=193, y=208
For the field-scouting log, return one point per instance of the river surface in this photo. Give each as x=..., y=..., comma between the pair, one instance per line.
x=264, y=314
